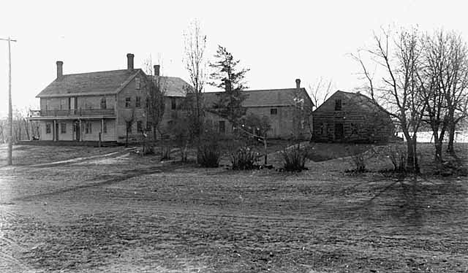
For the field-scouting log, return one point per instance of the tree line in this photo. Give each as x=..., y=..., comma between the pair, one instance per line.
x=421, y=79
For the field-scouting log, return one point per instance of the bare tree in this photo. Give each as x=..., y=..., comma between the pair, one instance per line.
x=320, y=91
x=399, y=57
x=195, y=45
x=155, y=88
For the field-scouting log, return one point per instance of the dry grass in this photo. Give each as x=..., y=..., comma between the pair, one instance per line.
x=127, y=213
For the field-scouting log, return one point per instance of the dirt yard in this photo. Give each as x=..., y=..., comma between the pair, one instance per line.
x=77, y=209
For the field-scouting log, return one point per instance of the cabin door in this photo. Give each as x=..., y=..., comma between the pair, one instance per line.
x=339, y=132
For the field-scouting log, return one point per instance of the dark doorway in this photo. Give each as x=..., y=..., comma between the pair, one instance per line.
x=339, y=132
x=76, y=128
x=57, y=131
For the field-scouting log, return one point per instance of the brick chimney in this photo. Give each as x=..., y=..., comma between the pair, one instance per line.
x=156, y=69
x=59, y=69
x=298, y=83
x=130, y=57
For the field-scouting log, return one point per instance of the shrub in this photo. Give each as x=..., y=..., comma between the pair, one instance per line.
x=208, y=155
x=294, y=158
x=398, y=156
x=358, y=159
x=244, y=158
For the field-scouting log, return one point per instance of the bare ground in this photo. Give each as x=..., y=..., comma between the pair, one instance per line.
x=111, y=211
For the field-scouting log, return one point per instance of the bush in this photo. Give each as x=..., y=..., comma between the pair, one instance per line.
x=244, y=159
x=208, y=155
x=294, y=158
x=398, y=156
x=358, y=159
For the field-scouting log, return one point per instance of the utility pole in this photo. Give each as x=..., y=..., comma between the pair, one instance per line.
x=10, y=105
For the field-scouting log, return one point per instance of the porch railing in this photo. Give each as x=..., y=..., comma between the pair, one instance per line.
x=73, y=112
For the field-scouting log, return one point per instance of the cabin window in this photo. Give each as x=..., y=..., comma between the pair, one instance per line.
x=139, y=126
x=88, y=128
x=273, y=111
x=173, y=103
x=138, y=102
x=104, y=127
x=337, y=105
x=128, y=102
x=63, y=128
x=222, y=126
x=103, y=103
x=48, y=128
x=137, y=83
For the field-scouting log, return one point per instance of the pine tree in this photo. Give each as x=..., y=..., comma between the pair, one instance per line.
x=229, y=78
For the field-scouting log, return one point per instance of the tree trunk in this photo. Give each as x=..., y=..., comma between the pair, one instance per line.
x=451, y=140
x=412, y=159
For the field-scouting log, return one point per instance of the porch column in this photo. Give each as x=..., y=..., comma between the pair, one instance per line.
x=81, y=132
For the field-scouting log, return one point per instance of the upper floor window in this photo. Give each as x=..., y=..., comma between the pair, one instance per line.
x=128, y=102
x=103, y=103
x=337, y=105
x=137, y=83
x=173, y=103
x=273, y=111
x=138, y=102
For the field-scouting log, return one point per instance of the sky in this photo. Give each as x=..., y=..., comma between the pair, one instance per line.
x=279, y=41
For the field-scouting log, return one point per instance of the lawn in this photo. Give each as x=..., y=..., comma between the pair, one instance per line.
x=114, y=211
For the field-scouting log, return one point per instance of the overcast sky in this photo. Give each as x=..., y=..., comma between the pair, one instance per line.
x=278, y=40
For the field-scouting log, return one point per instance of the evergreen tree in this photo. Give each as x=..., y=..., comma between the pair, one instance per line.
x=230, y=78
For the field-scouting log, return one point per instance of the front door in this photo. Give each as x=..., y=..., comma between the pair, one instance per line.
x=76, y=127
x=339, y=133
x=56, y=131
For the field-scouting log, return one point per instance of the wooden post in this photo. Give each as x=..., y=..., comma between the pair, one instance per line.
x=10, y=105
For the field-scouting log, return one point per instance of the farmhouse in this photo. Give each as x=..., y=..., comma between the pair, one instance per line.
x=351, y=117
x=287, y=109
x=102, y=106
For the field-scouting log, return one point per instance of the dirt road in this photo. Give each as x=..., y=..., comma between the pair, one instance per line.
x=125, y=213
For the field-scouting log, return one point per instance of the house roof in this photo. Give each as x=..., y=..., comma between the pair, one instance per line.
x=92, y=83
x=175, y=86
x=103, y=83
x=357, y=99
x=263, y=98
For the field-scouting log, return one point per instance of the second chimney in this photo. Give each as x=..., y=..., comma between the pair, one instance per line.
x=130, y=57
x=59, y=69
x=298, y=83
x=157, y=68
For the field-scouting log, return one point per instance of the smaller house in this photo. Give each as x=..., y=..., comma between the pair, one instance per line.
x=351, y=117
x=287, y=109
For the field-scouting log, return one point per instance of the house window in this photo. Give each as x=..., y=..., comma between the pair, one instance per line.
x=337, y=105
x=273, y=111
x=88, y=128
x=138, y=102
x=103, y=103
x=137, y=83
x=128, y=102
x=48, y=128
x=222, y=126
x=147, y=102
x=104, y=127
x=129, y=127
x=139, y=126
x=63, y=128
x=173, y=103
x=148, y=125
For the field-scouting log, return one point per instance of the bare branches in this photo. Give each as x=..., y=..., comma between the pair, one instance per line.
x=320, y=92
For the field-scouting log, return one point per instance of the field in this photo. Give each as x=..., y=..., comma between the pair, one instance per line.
x=78, y=209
